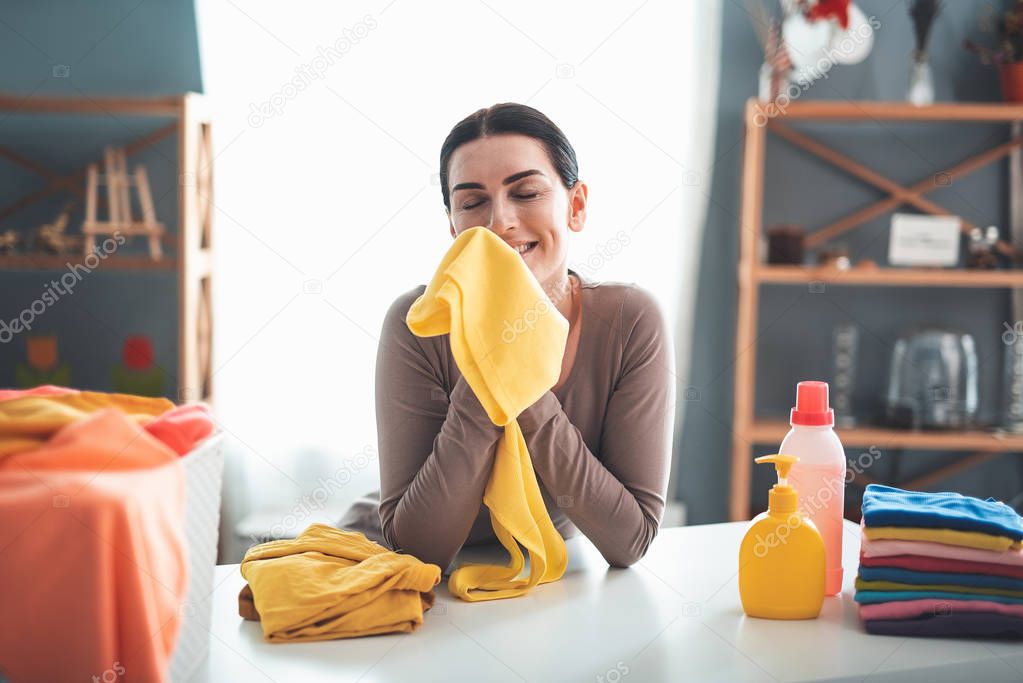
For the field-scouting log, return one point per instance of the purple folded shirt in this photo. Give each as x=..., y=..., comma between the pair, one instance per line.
x=953, y=625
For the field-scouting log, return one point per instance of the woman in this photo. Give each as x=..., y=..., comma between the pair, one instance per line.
x=600, y=439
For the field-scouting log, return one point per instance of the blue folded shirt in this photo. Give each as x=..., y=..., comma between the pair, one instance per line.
x=873, y=597
x=900, y=575
x=889, y=506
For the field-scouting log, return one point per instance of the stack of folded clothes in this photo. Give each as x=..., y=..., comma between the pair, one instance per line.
x=939, y=564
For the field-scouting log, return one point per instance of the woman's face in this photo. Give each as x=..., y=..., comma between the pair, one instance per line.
x=506, y=183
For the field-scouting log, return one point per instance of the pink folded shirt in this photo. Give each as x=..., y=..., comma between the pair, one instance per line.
x=910, y=609
x=887, y=547
x=945, y=565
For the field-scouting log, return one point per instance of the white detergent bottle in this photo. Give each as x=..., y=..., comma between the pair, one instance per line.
x=819, y=475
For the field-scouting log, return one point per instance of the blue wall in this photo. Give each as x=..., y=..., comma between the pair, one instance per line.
x=796, y=326
x=86, y=49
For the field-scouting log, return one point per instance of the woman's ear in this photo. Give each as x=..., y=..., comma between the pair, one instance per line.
x=577, y=207
x=451, y=223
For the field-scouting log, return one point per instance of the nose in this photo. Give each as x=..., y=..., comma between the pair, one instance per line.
x=502, y=217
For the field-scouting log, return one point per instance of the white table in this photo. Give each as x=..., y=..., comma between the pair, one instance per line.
x=674, y=616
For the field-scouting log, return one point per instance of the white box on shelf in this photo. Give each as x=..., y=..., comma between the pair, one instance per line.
x=919, y=240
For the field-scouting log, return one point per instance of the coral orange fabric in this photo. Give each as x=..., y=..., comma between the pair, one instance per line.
x=182, y=427
x=94, y=560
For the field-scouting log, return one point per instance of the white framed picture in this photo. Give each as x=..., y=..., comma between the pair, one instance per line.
x=921, y=240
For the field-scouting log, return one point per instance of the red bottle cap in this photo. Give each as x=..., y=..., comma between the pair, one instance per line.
x=811, y=407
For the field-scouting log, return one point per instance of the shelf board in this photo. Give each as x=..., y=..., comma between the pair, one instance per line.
x=895, y=277
x=839, y=110
x=773, y=431
x=46, y=104
x=59, y=262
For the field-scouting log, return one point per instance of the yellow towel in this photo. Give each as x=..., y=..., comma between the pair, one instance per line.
x=329, y=583
x=968, y=539
x=508, y=340
x=28, y=422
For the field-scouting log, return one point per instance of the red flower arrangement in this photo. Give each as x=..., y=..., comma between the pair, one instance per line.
x=828, y=9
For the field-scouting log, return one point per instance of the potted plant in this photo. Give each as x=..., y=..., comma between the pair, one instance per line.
x=1007, y=53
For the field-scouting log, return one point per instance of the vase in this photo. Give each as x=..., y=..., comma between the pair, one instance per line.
x=921, y=86
x=1011, y=78
x=1012, y=381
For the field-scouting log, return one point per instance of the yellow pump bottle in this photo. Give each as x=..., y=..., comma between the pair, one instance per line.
x=781, y=558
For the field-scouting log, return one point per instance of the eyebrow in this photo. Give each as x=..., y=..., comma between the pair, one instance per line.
x=507, y=181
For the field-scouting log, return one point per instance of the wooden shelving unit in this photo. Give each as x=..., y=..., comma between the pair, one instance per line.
x=189, y=256
x=760, y=118
x=888, y=277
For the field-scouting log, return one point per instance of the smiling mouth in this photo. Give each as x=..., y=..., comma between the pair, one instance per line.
x=524, y=249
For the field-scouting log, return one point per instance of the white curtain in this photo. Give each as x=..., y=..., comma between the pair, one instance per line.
x=328, y=120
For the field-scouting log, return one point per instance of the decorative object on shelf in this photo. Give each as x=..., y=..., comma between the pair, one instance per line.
x=52, y=237
x=932, y=381
x=921, y=86
x=825, y=10
x=9, y=240
x=845, y=346
x=138, y=374
x=822, y=34
x=774, y=72
x=836, y=256
x=1012, y=379
x=853, y=42
x=42, y=365
x=918, y=240
x=981, y=248
x=1007, y=56
x=120, y=221
x=785, y=245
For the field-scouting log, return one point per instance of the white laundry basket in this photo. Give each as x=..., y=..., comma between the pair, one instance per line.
x=204, y=471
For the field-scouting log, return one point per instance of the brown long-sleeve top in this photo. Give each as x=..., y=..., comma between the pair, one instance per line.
x=600, y=444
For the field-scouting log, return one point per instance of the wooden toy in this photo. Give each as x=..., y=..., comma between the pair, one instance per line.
x=120, y=220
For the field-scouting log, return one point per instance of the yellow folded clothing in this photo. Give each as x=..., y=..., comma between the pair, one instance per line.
x=967, y=539
x=329, y=583
x=508, y=340
x=28, y=422
x=862, y=585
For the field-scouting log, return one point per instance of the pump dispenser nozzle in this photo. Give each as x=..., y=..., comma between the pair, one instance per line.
x=782, y=498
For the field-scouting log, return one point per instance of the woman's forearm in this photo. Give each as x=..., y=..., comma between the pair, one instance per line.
x=619, y=512
x=617, y=499
x=428, y=505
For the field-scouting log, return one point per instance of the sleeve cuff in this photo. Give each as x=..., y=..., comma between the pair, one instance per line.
x=538, y=414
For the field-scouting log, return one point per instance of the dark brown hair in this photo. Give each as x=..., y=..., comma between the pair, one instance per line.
x=509, y=117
